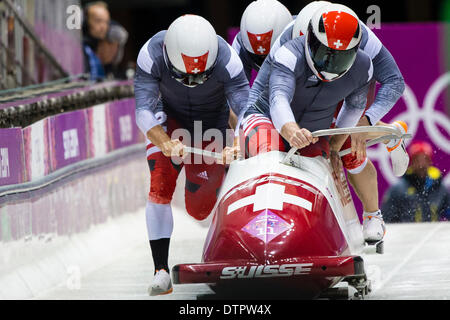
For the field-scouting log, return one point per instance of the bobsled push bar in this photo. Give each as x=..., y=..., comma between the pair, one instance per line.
x=382, y=133
x=205, y=153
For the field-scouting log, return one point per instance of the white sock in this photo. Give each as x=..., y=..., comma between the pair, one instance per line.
x=159, y=220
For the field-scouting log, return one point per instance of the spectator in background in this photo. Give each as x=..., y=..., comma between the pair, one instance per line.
x=110, y=51
x=420, y=195
x=95, y=28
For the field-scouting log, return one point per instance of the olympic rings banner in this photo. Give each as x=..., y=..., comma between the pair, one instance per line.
x=421, y=52
x=425, y=105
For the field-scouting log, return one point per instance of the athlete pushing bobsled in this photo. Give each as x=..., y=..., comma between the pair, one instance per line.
x=261, y=24
x=184, y=74
x=316, y=71
x=293, y=228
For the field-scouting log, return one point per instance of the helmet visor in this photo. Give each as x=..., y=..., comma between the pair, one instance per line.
x=327, y=61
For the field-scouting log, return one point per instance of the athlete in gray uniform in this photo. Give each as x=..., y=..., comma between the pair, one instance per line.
x=261, y=24
x=310, y=100
x=180, y=81
x=157, y=90
x=385, y=71
x=314, y=102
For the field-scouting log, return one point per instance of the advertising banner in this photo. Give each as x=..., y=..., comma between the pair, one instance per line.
x=11, y=156
x=36, y=150
x=123, y=130
x=68, y=143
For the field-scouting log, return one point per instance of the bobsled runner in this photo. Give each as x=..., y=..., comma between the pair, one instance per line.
x=284, y=226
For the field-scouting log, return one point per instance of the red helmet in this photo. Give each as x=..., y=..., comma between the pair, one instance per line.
x=332, y=41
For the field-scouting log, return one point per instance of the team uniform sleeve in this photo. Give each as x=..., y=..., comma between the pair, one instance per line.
x=387, y=73
x=146, y=89
x=241, y=53
x=259, y=85
x=262, y=79
x=282, y=87
x=355, y=104
x=236, y=85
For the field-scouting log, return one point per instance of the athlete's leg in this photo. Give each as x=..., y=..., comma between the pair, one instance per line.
x=159, y=219
x=202, y=186
x=260, y=135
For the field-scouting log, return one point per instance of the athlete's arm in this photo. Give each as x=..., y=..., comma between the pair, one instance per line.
x=282, y=87
x=146, y=88
x=349, y=117
x=387, y=73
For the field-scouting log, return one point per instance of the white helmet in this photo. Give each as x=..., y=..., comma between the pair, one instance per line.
x=332, y=41
x=190, y=49
x=304, y=16
x=261, y=24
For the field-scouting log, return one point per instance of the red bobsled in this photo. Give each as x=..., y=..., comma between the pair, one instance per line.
x=281, y=230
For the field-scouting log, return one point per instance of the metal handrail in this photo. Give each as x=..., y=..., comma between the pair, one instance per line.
x=10, y=54
x=29, y=30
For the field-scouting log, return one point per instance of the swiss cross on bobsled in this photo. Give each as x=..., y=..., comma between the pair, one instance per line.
x=269, y=222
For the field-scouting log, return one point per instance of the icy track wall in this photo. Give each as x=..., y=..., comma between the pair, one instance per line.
x=425, y=105
x=72, y=173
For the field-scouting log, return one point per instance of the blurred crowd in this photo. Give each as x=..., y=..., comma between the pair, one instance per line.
x=420, y=195
x=103, y=44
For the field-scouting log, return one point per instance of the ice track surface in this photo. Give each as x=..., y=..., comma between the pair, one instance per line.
x=416, y=265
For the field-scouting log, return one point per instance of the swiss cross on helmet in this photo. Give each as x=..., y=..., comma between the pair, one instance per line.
x=332, y=41
x=190, y=49
x=261, y=24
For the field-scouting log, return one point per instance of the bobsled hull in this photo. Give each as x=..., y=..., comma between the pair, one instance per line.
x=303, y=277
x=289, y=227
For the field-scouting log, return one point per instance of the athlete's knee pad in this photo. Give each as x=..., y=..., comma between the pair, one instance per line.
x=352, y=165
x=350, y=162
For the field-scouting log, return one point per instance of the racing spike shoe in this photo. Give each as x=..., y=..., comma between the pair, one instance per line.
x=397, y=151
x=374, y=228
x=162, y=284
